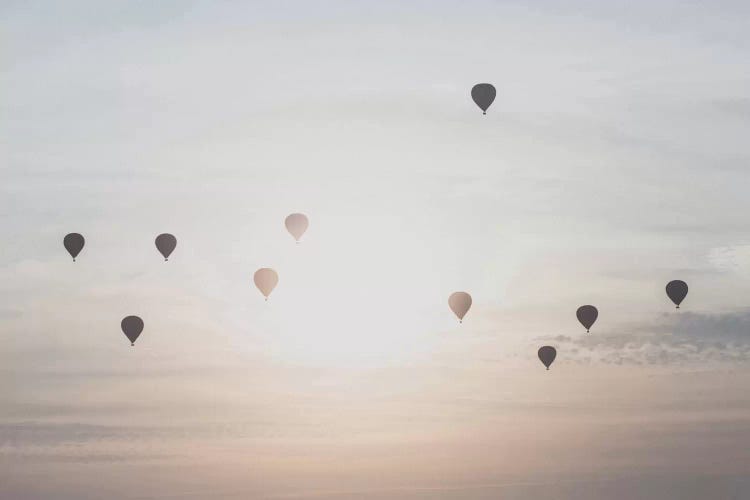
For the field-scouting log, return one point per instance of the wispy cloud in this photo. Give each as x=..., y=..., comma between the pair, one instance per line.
x=670, y=338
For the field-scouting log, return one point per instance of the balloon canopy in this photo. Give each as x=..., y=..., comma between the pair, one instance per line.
x=547, y=355
x=296, y=224
x=166, y=243
x=460, y=303
x=483, y=95
x=266, y=279
x=132, y=326
x=587, y=316
x=677, y=291
x=73, y=243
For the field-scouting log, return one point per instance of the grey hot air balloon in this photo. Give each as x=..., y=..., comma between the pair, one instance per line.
x=296, y=224
x=677, y=291
x=460, y=302
x=73, y=243
x=166, y=243
x=587, y=316
x=483, y=95
x=132, y=326
x=547, y=355
x=266, y=280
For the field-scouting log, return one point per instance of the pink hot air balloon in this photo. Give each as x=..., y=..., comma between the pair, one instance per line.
x=266, y=279
x=296, y=224
x=460, y=302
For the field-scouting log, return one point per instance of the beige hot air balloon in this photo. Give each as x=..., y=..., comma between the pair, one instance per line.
x=460, y=302
x=296, y=224
x=266, y=280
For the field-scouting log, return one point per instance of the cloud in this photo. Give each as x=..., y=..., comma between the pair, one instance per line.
x=683, y=337
x=738, y=107
x=24, y=434
x=733, y=258
x=74, y=457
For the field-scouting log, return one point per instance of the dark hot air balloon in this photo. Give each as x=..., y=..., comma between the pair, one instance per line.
x=677, y=291
x=166, y=244
x=587, y=316
x=547, y=355
x=73, y=243
x=483, y=95
x=132, y=326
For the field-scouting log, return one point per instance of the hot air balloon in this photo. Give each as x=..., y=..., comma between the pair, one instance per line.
x=73, y=243
x=587, y=316
x=296, y=224
x=677, y=291
x=483, y=95
x=460, y=302
x=547, y=355
x=132, y=326
x=166, y=244
x=266, y=280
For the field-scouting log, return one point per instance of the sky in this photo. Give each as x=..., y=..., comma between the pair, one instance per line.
x=613, y=160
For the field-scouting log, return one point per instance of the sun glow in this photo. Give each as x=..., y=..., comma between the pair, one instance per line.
x=347, y=295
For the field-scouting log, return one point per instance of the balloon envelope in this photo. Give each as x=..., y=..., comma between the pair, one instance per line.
x=677, y=291
x=166, y=244
x=460, y=302
x=73, y=243
x=587, y=316
x=483, y=95
x=132, y=326
x=296, y=224
x=266, y=280
x=547, y=355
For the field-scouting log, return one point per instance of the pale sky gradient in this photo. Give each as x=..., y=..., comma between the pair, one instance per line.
x=614, y=159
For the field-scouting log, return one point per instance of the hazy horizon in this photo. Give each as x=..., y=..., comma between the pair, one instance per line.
x=613, y=160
